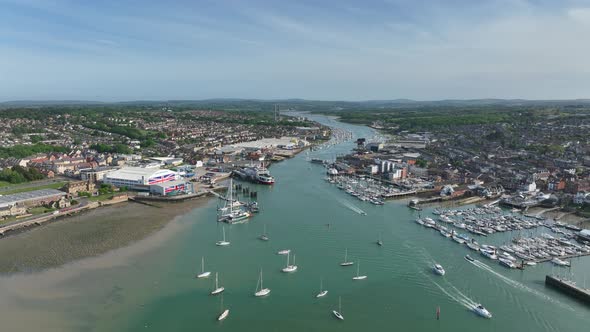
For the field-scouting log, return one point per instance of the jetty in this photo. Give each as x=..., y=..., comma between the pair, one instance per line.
x=568, y=287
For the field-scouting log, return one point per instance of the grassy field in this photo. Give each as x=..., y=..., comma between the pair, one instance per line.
x=55, y=185
x=4, y=183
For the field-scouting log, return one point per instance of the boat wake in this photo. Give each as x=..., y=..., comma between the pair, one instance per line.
x=457, y=296
x=351, y=206
x=518, y=285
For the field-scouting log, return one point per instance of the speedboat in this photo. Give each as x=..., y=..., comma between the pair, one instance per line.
x=469, y=258
x=438, y=269
x=481, y=311
x=284, y=252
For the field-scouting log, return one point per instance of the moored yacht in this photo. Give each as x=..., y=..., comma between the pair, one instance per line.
x=262, y=291
x=290, y=267
x=323, y=292
x=560, y=262
x=217, y=289
x=488, y=253
x=507, y=263
x=346, y=262
x=203, y=274
x=338, y=313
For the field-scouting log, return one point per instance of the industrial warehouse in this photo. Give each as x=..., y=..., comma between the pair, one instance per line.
x=139, y=178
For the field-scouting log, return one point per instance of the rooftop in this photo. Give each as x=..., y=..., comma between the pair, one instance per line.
x=8, y=200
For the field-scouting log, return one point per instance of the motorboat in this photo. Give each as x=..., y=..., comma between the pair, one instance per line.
x=284, y=252
x=458, y=239
x=445, y=233
x=438, y=269
x=469, y=258
x=560, y=262
x=488, y=253
x=420, y=221
x=507, y=263
x=473, y=245
x=481, y=311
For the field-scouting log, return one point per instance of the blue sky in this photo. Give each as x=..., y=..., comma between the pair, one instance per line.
x=330, y=50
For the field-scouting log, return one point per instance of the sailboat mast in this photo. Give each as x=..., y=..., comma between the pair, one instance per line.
x=202, y=264
x=231, y=197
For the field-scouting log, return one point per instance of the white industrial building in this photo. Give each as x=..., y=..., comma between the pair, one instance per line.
x=139, y=177
x=172, y=188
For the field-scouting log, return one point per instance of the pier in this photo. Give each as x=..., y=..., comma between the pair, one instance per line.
x=568, y=287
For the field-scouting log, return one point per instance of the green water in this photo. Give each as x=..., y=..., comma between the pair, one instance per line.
x=150, y=286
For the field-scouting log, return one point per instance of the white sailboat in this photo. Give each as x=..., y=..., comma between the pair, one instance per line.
x=346, y=262
x=322, y=292
x=203, y=274
x=232, y=211
x=379, y=242
x=223, y=242
x=217, y=289
x=358, y=276
x=264, y=236
x=338, y=313
x=290, y=268
x=262, y=291
x=224, y=313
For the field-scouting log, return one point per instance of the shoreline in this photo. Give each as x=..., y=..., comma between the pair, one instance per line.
x=90, y=234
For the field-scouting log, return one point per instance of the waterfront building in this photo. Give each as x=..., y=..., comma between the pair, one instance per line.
x=32, y=198
x=139, y=178
x=171, y=188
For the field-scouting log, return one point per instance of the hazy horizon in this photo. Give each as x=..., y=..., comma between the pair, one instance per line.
x=332, y=51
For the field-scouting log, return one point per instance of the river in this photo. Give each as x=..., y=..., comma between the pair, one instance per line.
x=150, y=285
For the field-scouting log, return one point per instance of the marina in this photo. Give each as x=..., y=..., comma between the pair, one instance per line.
x=520, y=251
x=367, y=189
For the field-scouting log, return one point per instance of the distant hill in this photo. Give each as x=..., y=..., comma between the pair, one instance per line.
x=303, y=103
